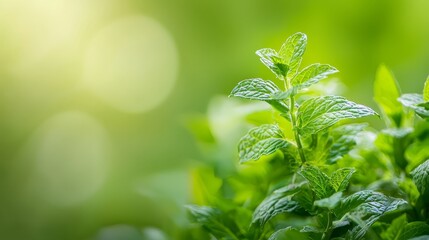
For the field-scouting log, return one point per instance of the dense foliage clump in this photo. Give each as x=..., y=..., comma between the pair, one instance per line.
x=306, y=170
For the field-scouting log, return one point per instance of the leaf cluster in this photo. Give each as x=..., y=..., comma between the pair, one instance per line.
x=309, y=171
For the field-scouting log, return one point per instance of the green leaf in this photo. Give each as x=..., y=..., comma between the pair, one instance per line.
x=414, y=229
x=415, y=101
x=271, y=59
x=365, y=208
x=410, y=99
x=317, y=114
x=330, y=202
x=318, y=180
x=386, y=94
x=369, y=202
x=263, y=140
x=312, y=75
x=277, y=203
x=426, y=90
x=344, y=140
x=289, y=233
x=211, y=219
x=421, y=179
x=255, y=89
x=395, y=228
x=340, y=178
x=263, y=90
x=292, y=51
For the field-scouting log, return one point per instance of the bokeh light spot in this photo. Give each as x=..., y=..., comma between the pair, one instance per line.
x=70, y=158
x=131, y=64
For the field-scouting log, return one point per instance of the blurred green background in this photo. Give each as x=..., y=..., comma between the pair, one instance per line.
x=95, y=96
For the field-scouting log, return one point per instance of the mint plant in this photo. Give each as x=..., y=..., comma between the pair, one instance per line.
x=304, y=171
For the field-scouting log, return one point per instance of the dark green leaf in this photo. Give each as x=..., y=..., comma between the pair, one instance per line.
x=395, y=228
x=421, y=179
x=369, y=202
x=413, y=229
x=292, y=51
x=279, y=202
x=263, y=140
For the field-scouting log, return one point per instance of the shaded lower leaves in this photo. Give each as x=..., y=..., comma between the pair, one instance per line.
x=421, y=179
x=281, y=201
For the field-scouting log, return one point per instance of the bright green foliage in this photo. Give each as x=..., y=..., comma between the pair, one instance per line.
x=426, y=90
x=292, y=51
x=330, y=202
x=386, y=94
x=317, y=114
x=312, y=75
x=320, y=183
x=340, y=178
x=256, y=89
x=306, y=172
x=415, y=102
x=273, y=61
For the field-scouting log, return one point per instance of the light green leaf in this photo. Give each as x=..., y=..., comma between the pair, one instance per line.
x=312, y=75
x=317, y=114
x=263, y=140
x=211, y=219
x=386, y=94
x=426, y=90
x=330, y=202
x=318, y=180
x=277, y=203
x=421, y=179
x=344, y=138
x=255, y=89
x=271, y=59
x=292, y=51
x=410, y=99
x=263, y=90
x=340, y=178
x=413, y=229
x=414, y=101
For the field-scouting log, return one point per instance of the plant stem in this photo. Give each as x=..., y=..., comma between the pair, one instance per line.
x=295, y=130
x=292, y=115
x=327, y=232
